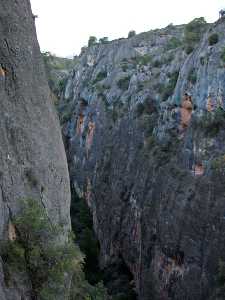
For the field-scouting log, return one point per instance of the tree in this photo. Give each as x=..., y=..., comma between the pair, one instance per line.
x=92, y=41
x=131, y=33
x=104, y=40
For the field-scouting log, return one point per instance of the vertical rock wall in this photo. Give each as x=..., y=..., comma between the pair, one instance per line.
x=32, y=158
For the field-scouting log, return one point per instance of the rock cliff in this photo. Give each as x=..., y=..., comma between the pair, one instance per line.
x=144, y=123
x=32, y=158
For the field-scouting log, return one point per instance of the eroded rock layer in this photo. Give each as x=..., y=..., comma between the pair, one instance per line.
x=32, y=158
x=144, y=124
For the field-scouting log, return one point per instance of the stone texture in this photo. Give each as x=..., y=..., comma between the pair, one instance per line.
x=32, y=158
x=150, y=163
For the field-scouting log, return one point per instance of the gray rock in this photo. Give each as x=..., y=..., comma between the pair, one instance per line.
x=32, y=158
x=149, y=159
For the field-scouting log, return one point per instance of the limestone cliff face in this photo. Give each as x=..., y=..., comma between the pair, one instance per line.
x=32, y=158
x=144, y=124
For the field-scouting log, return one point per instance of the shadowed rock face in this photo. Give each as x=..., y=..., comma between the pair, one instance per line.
x=148, y=154
x=32, y=158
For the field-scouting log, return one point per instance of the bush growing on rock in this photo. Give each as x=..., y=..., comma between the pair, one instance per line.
x=168, y=89
x=100, y=76
x=192, y=76
x=173, y=43
x=92, y=41
x=213, y=39
x=221, y=280
x=223, y=55
x=193, y=33
x=48, y=264
x=212, y=122
x=104, y=40
x=131, y=34
x=124, y=83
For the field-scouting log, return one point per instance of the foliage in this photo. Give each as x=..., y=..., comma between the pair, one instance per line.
x=147, y=107
x=92, y=41
x=213, y=39
x=169, y=88
x=157, y=63
x=173, y=43
x=104, y=40
x=124, y=83
x=202, y=60
x=143, y=60
x=131, y=34
x=100, y=76
x=218, y=164
x=192, y=76
x=193, y=33
x=212, y=122
x=223, y=55
x=56, y=69
x=48, y=264
x=82, y=225
x=221, y=280
x=189, y=49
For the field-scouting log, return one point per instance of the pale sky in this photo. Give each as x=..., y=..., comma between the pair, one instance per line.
x=64, y=26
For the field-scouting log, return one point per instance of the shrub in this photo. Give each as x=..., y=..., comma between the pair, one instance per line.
x=193, y=33
x=192, y=76
x=221, y=280
x=212, y=122
x=46, y=263
x=173, y=43
x=100, y=76
x=168, y=90
x=123, y=83
x=104, y=40
x=223, y=55
x=218, y=164
x=157, y=64
x=92, y=41
x=143, y=60
x=213, y=39
x=131, y=34
x=202, y=60
x=189, y=49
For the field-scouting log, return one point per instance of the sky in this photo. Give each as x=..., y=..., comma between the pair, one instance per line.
x=63, y=27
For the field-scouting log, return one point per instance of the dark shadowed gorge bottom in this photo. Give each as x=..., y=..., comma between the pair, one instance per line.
x=116, y=277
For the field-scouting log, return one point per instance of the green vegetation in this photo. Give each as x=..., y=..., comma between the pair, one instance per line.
x=104, y=40
x=57, y=69
x=192, y=76
x=82, y=225
x=92, y=41
x=212, y=122
x=100, y=76
x=143, y=60
x=223, y=55
x=213, y=39
x=221, y=280
x=123, y=83
x=202, y=60
x=48, y=264
x=131, y=34
x=193, y=33
x=173, y=43
x=147, y=107
x=168, y=89
x=218, y=164
x=157, y=64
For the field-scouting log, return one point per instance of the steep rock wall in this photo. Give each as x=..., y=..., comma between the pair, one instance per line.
x=32, y=158
x=144, y=124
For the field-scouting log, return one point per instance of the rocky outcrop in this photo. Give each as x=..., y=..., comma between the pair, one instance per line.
x=144, y=124
x=57, y=71
x=32, y=158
